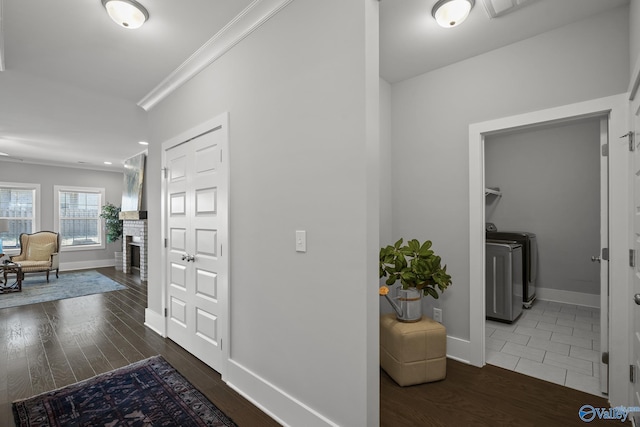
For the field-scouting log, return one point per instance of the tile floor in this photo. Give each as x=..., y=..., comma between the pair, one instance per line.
x=552, y=341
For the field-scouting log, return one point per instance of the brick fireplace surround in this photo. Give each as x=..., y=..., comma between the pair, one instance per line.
x=135, y=231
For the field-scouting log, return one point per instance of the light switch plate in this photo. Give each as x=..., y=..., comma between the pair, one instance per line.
x=301, y=241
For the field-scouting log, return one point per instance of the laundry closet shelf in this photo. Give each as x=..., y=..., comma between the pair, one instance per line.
x=493, y=191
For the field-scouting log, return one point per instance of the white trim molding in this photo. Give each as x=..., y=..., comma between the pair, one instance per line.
x=247, y=21
x=274, y=399
x=458, y=349
x=568, y=297
x=155, y=322
x=86, y=265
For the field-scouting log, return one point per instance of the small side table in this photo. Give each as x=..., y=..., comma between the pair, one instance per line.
x=413, y=353
x=12, y=268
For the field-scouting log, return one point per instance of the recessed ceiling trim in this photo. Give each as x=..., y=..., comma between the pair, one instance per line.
x=247, y=21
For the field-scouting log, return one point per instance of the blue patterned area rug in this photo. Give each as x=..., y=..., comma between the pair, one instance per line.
x=146, y=393
x=35, y=288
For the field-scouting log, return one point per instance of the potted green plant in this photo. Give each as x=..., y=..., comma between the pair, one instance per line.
x=419, y=271
x=113, y=227
x=112, y=222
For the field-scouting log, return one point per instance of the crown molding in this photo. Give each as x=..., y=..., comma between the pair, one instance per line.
x=247, y=21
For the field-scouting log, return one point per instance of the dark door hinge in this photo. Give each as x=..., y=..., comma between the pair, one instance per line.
x=605, y=357
x=632, y=257
x=605, y=150
x=605, y=254
x=166, y=313
x=632, y=373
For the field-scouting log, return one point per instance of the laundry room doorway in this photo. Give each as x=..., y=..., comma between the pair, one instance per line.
x=547, y=191
x=615, y=322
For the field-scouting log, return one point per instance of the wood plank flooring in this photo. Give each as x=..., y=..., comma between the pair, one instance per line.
x=54, y=344
x=50, y=345
x=490, y=397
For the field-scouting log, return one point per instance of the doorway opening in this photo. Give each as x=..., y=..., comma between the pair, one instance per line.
x=616, y=109
x=548, y=201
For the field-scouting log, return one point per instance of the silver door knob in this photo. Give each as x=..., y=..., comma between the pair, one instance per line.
x=636, y=299
x=595, y=259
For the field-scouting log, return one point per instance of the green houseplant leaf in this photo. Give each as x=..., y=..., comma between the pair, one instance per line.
x=112, y=222
x=414, y=265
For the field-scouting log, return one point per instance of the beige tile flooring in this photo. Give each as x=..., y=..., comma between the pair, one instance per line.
x=552, y=341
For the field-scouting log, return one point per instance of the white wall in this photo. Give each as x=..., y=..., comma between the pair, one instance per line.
x=550, y=183
x=634, y=33
x=431, y=114
x=302, y=94
x=386, y=174
x=47, y=177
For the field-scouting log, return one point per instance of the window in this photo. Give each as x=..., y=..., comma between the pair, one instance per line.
x=78, y=217
x=20, y=205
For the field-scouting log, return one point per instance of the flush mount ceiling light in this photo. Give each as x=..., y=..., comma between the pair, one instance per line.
x=126, y=13
x=450, y=13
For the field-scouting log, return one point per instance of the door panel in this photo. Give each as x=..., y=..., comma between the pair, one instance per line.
x=198, y=275
x=604, y=264
x=635, y=310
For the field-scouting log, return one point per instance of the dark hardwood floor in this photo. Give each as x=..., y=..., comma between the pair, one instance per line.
x=50, y=345
x=54, y=344
x=490, y=397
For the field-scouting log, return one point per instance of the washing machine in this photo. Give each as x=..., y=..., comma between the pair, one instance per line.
x=529, y=258
x=503, y=284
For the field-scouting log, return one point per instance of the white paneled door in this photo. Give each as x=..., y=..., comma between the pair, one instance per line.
x=602, y=259
x=196, y=193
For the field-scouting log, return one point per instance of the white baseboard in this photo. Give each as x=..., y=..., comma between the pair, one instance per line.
x=155, y=322
x=86, y=265
x=568, y=297
x=271, y=399
x=458, y=349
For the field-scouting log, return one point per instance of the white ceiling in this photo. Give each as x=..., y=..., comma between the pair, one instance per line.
x=73, y=78
x=411, y=43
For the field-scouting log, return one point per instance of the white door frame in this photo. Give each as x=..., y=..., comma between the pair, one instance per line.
x=634, y=107
x=619, y=228
x=223, y=211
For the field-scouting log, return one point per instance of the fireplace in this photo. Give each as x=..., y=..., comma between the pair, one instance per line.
x=134, y=239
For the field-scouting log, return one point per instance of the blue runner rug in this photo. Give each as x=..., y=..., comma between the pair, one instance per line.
x=35, y=289
x=146, y=393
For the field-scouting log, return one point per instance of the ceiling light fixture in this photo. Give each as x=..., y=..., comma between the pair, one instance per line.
x=451, y=13
x=143, y=143
x=108, y=163
x=126, y=13
x=3, y=154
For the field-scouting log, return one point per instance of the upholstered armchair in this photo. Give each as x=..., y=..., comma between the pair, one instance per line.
x=39, y=252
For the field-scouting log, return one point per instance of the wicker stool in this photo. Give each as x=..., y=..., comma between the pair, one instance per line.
x=413, y=353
